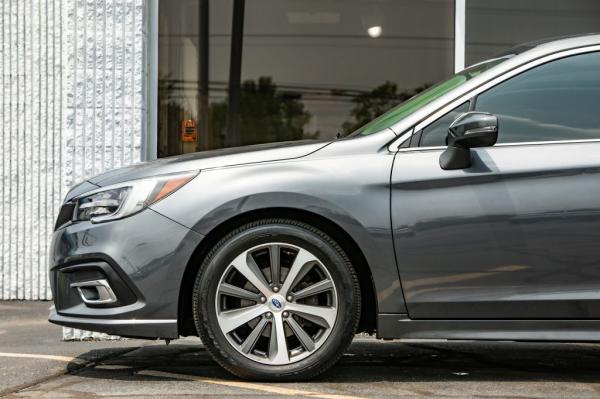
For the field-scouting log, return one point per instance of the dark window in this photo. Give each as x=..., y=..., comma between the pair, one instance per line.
x=494, y=26
x=254, y=71
x=555, y=101
x=435, y=134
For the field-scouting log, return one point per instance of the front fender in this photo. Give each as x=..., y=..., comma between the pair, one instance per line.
x=352, y=192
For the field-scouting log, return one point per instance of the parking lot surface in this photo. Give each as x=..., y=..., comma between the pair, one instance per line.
x=369, y=369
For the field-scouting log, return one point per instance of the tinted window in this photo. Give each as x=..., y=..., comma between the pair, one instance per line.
x=236, y=73
x=435, y=134
x=555, y=101
x=337, y=64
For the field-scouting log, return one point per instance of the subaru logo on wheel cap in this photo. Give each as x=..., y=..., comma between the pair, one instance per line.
x=276, y=303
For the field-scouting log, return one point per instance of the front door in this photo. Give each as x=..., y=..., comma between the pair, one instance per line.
x=517, y=234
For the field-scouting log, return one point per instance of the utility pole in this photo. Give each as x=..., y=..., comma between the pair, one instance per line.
x=235, y=74
x=203, y=141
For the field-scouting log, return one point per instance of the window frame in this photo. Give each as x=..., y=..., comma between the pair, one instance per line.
x=472, y=96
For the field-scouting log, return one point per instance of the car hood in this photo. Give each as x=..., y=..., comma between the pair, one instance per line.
x=210, y=160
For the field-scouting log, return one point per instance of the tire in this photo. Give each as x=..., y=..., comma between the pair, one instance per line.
x=318, y=321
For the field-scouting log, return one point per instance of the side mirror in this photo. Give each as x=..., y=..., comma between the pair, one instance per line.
x=469, y=130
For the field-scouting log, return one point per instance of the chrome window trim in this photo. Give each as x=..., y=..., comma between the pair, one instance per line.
x=524, y=143
x=395, y=145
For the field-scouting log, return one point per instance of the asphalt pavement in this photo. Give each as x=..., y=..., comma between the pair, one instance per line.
x=35, y=363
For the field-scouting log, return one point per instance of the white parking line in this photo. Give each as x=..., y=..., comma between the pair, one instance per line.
x=249, y=385
x=38, y=356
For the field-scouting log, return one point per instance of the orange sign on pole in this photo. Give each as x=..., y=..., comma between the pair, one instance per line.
x=189, y=131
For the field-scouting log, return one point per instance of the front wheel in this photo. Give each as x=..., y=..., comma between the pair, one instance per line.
x=276, y=299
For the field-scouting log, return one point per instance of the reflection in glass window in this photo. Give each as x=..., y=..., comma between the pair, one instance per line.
x=406, y=108
x=435, y=134
x=555, y=101
x=493, y=26
x=255, y=71
x=183, y=82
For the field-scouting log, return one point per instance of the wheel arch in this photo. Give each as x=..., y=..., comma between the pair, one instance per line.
x=369, y=309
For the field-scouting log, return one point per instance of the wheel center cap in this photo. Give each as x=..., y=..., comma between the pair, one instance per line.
x=276, y=303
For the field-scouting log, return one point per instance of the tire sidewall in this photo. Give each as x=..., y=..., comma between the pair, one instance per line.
x=331, y=256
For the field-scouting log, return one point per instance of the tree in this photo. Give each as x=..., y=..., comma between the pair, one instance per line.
x=266, y=114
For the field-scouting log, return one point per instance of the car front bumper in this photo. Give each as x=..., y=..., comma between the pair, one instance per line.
x=140, y=328
x=121, y=277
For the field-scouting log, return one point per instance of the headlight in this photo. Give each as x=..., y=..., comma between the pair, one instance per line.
x=124, y=199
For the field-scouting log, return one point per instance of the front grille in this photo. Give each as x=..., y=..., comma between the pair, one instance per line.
x=65, y=214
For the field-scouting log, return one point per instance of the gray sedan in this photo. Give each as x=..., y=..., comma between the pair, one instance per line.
x=471, y=211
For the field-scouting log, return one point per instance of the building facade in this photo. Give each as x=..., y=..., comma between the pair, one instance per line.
x=91, y=85
x=72, y=104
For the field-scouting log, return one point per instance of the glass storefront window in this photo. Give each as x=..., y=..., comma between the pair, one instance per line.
x=495, y=26
x=180, y=67
x=235, y=72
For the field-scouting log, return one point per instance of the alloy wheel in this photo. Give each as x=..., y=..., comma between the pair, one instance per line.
x=276, y=303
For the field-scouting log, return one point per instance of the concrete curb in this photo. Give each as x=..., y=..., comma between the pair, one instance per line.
x=74, y=334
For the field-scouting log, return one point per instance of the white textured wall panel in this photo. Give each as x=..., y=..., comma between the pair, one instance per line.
x=30, y=111
x=103, y=74
x=71, y=106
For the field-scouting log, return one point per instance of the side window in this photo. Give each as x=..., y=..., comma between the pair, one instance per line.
x=559, y=100
x=434, y=134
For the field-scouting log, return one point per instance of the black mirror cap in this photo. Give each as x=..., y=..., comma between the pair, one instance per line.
x=469, y=130
x=473, y=129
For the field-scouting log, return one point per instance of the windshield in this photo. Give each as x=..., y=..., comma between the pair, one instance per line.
x=409, y=106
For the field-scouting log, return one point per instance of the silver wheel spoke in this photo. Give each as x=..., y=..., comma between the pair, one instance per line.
x=303, y=262
x=321, y=315
x=278, y=352
x=275, y=264
x=250, y=341
x=302, y=336
x=317, y=288
x=246, y=265
x=285, y=339
x=238, y=292
x=229, y=320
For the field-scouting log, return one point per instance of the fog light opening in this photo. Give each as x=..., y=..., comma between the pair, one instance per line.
x=95, y=292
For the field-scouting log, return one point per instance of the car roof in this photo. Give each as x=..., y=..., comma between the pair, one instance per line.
x=553, y=44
